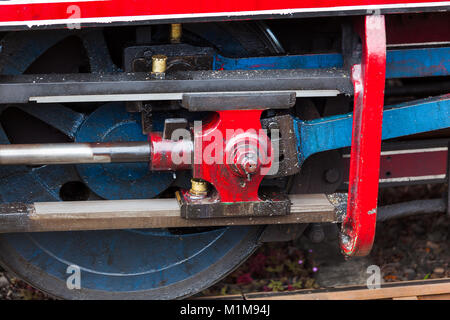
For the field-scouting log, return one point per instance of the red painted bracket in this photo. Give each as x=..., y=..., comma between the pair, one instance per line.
x=233, y=153
x=358, y=227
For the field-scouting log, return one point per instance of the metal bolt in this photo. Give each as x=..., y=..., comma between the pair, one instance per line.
x=246, y=162
x=175, y=32
x=316, y=233
x=250, y=165
x=159, y=65
x=332, y=175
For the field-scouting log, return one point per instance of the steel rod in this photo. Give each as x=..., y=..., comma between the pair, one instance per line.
x=74, y=153
x=411, y=208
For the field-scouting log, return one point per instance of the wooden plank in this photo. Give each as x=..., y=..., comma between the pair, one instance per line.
x=445, y=296
x=151, y=213
x=224, y=297
x=401, y=290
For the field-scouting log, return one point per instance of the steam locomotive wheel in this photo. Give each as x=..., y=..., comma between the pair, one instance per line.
x=116, y=264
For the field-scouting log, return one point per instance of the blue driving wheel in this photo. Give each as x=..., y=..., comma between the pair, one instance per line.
x=113, y=264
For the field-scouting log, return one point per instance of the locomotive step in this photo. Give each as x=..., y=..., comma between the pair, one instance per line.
x=136, y=214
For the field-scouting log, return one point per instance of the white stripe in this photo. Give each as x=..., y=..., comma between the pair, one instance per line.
x=387, y=153
x=418, y=44
x=406, y=179
x=163, y=96
x=371, y=9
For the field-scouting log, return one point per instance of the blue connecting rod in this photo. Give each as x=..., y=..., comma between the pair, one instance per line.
x=399, y=120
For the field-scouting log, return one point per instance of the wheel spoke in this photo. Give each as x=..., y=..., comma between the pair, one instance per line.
x=56, y=115
x=97, y=51
x=53, y=178
x=3, y=137
x=19, y=54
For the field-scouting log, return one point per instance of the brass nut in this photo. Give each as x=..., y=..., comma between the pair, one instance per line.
x=175, y=32
x=199, y=187
x=159, y=63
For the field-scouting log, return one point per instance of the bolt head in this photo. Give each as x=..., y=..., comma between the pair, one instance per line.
x=250, y=165
x=332, y=175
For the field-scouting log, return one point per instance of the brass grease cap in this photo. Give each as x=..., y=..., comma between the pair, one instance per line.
x=198, y=187
x=159, y=63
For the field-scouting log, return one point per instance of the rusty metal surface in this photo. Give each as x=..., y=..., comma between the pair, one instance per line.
x=287, y=161
x=207, y=208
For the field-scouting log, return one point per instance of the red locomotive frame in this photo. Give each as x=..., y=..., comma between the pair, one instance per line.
x=31, y=13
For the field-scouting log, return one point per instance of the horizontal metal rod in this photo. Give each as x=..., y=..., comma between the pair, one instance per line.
x=120, y=86
x=169, y=96
x=152, y=213
x=402, y=63
x=411, y=208
x=74, y=153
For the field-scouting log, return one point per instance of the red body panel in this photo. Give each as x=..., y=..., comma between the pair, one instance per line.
x=413, y=165
x=59, y=12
